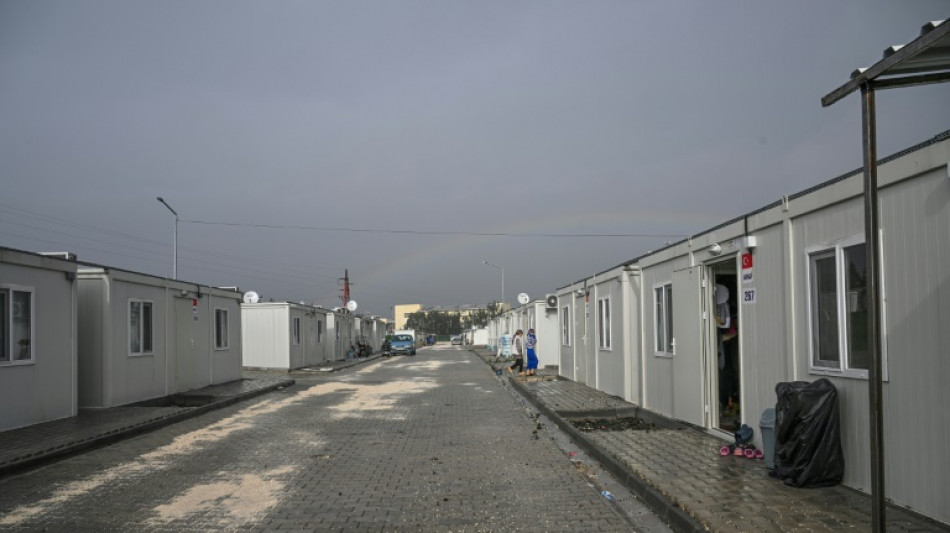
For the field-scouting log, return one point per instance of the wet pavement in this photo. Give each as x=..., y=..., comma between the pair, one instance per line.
x=428, y=443
x=675, y=469
x=39, y=444
x=678, y=471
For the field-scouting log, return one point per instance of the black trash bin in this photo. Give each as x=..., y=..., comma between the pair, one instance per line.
x=807, y=434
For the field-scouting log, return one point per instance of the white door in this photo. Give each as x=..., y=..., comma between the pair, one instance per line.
x=580, y=341
x=185, y=326
x=688, y=382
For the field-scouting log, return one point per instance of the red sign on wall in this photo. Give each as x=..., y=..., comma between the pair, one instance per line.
x=747, y=260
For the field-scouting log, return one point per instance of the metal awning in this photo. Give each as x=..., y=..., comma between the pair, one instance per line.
x=924, y=60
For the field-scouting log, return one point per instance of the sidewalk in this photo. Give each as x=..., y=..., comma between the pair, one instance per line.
x=676, y=470
x=43, y=443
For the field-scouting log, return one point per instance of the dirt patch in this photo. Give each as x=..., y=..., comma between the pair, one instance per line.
x=612, y=424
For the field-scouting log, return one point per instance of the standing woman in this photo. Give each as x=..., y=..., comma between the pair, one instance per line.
x=532, y=367
x=517, y=348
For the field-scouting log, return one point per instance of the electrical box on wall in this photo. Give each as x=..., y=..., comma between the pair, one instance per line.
x=750, y=242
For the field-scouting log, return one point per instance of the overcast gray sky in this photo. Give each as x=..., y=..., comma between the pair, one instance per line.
x=649, y=118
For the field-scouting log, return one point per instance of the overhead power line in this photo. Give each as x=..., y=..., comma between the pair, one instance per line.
x=429, y=232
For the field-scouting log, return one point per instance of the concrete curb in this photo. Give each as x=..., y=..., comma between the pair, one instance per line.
x=674, y=515
x=346, y=364
x=63, y=451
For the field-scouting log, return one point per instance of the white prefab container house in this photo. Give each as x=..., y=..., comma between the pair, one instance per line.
x=340, y=334
x=477, y=337
x=283, y=335
x=143, y=337
x=544, y=322
x=779, y=295
x=37, y=339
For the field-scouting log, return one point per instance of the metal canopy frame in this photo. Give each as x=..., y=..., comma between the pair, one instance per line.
x=924, y=60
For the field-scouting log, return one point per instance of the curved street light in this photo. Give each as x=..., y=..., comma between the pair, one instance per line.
x=493, y=265
x=175, y=240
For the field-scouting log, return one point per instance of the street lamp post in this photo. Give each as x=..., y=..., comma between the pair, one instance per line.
x=502, y=280
x=175, y=240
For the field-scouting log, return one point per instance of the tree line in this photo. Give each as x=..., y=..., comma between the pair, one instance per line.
x=448, y=322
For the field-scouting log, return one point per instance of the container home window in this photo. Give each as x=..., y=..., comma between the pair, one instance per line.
x=140, y=327
x=838, y=310
x=603, y=323
x=221, y=329
x=566, y=326
x=319, y=331
x=663, y=318
x=296, y=333
x=16, y=325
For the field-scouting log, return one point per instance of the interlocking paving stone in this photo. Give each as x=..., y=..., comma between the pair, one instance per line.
x=720, y=493
x=411, y=444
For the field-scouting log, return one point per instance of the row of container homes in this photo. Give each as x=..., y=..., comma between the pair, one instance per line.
x=287, y=336
x=74, y=336
x=703, y=330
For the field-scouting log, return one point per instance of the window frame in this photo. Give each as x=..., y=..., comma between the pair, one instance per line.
x=227, y=329
x=8, y=316
x=151, y=327
x=295, y=330
x=319, y=331
x=603, y=324
x=663, y=329
x=836, y=250
x=566, y=325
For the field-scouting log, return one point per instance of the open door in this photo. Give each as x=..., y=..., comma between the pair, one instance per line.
x=688, y=381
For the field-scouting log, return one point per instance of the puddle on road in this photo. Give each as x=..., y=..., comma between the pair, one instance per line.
x=612, y=424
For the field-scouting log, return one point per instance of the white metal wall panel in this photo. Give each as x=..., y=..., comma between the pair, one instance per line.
x=916, y=220
x=130, y=379
x=657, y=371
x=267, y=335
x=916, y=249
x=226, y=363
x=566, y=361
x=764, y=326
x=46, y=389
x=610, y=362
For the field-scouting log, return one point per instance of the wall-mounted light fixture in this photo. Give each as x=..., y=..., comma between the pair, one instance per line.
x=715, y=249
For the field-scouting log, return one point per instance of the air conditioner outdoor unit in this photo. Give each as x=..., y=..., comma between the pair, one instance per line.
x=551, y=301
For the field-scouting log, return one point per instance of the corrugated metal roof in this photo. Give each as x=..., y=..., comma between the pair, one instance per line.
x=904, y=64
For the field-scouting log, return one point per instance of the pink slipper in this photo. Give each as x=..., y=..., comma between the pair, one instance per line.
x=724, y=451
x=737, y=452
x=749, y=453
x=759, y=454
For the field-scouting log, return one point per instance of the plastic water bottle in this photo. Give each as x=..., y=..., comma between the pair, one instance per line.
x=607, y=494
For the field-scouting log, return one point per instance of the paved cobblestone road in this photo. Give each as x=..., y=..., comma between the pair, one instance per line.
x=433, y=443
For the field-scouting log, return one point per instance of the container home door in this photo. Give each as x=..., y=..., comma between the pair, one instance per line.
x=688, y=383
x=185, y=327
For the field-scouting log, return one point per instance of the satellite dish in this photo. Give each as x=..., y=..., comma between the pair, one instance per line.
x=523, y=298
x=251, y=297
x=351, y=306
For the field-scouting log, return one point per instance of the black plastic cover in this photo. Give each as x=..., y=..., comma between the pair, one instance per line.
x=807, y=434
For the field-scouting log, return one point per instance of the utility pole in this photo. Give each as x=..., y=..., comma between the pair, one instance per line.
x=345, y=291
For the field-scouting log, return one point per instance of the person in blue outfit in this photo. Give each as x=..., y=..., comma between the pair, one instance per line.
x=530, y=344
